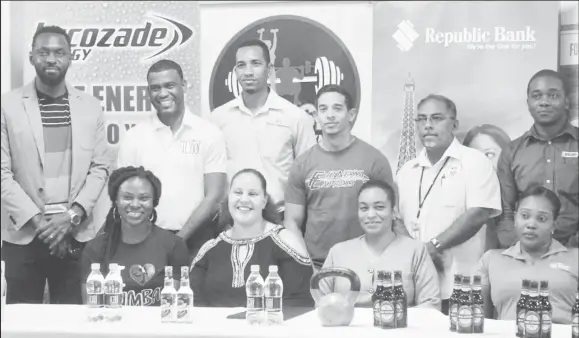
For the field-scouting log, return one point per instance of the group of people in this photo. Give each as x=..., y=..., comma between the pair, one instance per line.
x=251, y=185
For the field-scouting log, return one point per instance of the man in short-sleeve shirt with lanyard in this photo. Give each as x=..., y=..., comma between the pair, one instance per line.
x=447, y=194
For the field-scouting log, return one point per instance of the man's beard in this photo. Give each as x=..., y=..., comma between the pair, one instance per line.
x=50, y=80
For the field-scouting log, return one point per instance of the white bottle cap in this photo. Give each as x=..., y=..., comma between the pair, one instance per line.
x=113, y=267
x=95, y=266
x=255, y=268
x=273, y=268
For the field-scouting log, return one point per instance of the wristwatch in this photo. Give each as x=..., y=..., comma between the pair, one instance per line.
x=436, y=244
x=75, y=218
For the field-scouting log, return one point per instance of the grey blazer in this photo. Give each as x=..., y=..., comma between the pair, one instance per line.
x=23, y=159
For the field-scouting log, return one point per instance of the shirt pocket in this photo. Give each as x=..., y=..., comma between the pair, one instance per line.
x=275, y=139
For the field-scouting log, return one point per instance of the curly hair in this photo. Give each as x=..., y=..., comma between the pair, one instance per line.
x=112, y=227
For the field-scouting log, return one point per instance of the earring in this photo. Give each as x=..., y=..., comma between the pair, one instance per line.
x=115, y=212
x=153, y=216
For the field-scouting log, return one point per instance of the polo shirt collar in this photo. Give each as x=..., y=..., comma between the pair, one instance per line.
x=273, y=101
x=187, y=121
x=453, y=151
x=569, y=129
x=516, y=253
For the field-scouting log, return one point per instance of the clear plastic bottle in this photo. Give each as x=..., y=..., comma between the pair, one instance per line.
x=113, y=293
x=254, y=289
x=168, y=297
x=273, y=297
x=3, y=292
x=184, y=298
x=95, y=293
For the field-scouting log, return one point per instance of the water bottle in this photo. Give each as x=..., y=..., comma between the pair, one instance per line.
x=184, y=298
x=3, y=292
x=273, y=297
x=168, y=297
x=254, y=291
x=113, y=293
x=95, y=293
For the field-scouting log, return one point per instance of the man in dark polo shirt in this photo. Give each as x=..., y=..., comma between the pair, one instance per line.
x=547, y=154
x=54, y=167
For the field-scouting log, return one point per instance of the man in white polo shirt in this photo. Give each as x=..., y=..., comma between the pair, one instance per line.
x=186, y=152
x=447, y=194
x=262, y=130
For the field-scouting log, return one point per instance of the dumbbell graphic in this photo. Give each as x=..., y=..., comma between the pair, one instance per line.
x=325, y=72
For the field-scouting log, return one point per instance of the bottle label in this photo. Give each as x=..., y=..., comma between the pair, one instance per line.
x=377, y=313
x=453, y=313
x=386, y=312
x=546, y=321
x=113, y=300
x=95, y=299
x=521, y=322
x=399, y=307
x=464, y=317
x=167, y=301
x=532, y=322
x=575, y=324
x=184, y=306
x=477, y=315
x=255, y=303
x=273, y=303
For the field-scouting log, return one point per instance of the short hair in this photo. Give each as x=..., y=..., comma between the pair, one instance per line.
x=332, y=88
x=382, y=185
x=112, y=227
x=257, y=43
x=549, y=73
x=450, y=106
x=496, y=133
x=540, y=191
x=163, y=65
x=269, y=213
x=51, y=30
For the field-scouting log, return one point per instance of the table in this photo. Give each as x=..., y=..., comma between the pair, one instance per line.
x=69, y=321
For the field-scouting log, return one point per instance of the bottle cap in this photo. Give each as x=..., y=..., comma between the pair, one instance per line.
x=95, y=266
x=255, y=268
x=273, y=268
x=113, y=266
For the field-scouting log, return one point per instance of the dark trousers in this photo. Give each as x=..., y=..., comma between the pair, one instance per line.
x=444, y=307
x=29, y=266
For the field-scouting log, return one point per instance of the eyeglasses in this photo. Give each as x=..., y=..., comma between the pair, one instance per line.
x=434, y=119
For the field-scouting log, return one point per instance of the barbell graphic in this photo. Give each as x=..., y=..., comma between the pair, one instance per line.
x=325, y=72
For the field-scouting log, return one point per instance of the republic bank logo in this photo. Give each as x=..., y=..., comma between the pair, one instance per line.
x=405, y=35
x=160, y=36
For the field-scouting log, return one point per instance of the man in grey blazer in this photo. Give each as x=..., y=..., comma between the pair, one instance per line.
x=54, y=167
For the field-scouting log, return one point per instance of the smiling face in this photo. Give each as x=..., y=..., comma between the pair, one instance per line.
x=375, y=211
x=50, y=56
x=251, y=69
x=247, y=199
x=166, y=91
x=534, y=222
x=546, y=100
x=135, y=201
x=487, y=145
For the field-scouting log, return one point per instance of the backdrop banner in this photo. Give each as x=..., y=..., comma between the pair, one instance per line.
x=113, y=45
x=481, y=55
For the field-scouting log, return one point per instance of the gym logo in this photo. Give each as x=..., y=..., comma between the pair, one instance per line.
x=405, y=35
x=305, y=55
x=149, y=35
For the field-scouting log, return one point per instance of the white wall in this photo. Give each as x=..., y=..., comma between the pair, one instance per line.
x=350, y=21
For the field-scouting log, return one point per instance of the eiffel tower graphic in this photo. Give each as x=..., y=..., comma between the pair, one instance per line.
x=407, y=147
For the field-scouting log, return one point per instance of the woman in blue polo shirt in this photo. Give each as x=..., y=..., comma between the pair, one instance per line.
x=535, y=256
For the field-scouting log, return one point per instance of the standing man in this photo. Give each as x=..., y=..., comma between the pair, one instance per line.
x=547, y=155
x=186, y=152
x=54, y=167
x=262, y=130
x=322, y=193
x=447, y=193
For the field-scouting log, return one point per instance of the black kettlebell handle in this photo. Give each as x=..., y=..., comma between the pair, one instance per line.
x=336, y=272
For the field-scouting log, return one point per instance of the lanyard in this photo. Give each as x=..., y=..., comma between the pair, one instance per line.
x=420, y=200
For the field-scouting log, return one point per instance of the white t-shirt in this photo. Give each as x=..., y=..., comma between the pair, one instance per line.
x=179, y=160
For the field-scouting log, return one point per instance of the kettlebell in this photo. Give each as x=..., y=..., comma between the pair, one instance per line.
x=335, y=309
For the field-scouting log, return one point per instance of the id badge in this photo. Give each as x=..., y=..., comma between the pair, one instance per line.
x=415, y=228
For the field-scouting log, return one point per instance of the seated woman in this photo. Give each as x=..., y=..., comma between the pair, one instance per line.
x=220, y=269
x=130, y=238
x=535, y=256
x=380, y=248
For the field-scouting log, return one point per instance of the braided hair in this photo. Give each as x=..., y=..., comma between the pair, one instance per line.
x=112, y=227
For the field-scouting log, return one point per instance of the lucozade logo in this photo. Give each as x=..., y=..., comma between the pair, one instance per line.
x=147, y=35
